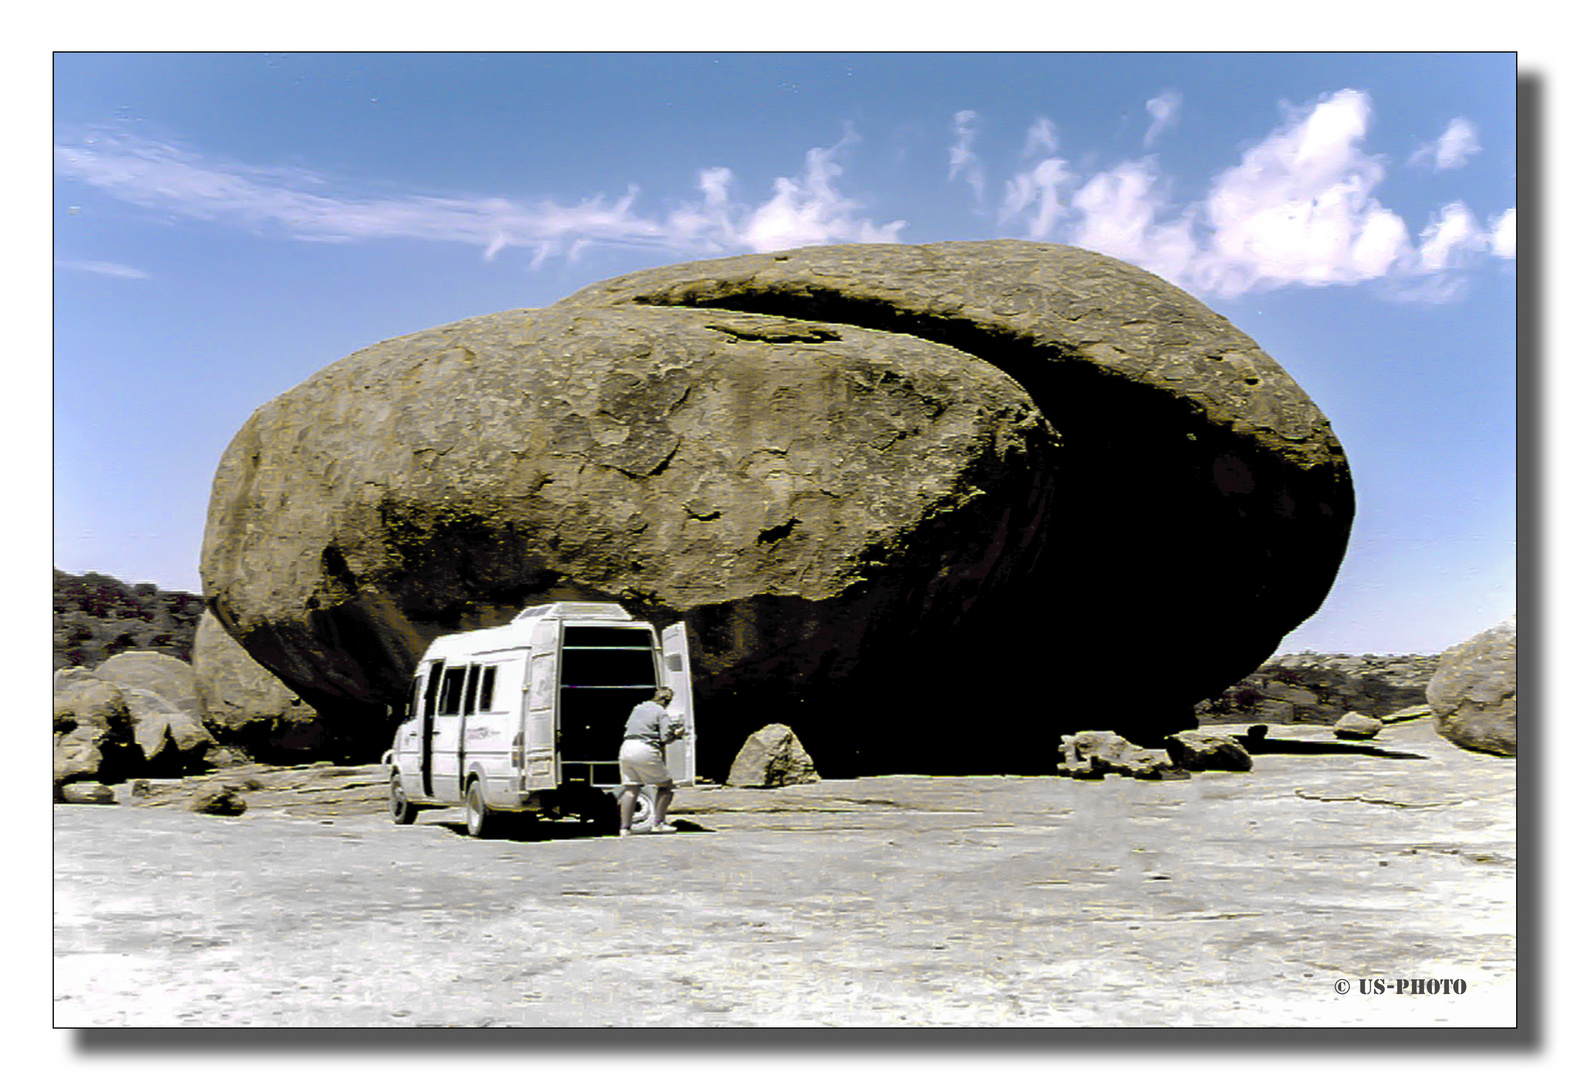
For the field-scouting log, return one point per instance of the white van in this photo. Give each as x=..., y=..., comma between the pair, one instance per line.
x=528, y=717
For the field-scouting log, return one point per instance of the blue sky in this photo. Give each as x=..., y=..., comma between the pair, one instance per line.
x=227, y=224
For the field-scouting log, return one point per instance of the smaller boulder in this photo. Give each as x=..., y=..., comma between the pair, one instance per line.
x=1091, y=755
x=218, y=798
x=1354, y=725
x=167, y=676
x=772, y=757
x=173, y=740
x=1203, y=751
x=87, y=793
x=1473, y=692
x=246, y=706
x=94, y=733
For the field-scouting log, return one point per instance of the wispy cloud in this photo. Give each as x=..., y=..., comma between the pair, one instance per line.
x=1037, y=190
x=806, y=208
x=107, y=269
x=962, y=159
x=1163, y=109
x=1042, y=137
x=1455, y=145
x=1298, y=208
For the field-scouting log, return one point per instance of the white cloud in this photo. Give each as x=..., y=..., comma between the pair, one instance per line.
x=1119, y=210
x=1501, y=234
x=805, y=209
x=1456, y=144
x=1298, y=208
x=962, y=159
x=1163, y=108
x=809, y=210
x=1448, y=239
x=106, y=269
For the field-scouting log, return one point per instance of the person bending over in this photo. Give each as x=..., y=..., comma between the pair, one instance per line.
x=649, y=730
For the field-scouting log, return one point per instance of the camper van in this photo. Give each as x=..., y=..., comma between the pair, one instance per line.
x=528, y=717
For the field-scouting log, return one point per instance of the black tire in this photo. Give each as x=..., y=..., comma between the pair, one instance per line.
x=402, y=810
x=478, y=821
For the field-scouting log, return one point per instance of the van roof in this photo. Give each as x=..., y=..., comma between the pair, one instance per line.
x=507, y=636
x=575, y=609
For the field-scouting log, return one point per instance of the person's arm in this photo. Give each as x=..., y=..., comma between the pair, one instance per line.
x=671, y=728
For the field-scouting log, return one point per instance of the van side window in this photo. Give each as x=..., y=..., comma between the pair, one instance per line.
x=412, y=705
x=433, y=682
x=473, y=690
x=487, y=688
x=452, y=690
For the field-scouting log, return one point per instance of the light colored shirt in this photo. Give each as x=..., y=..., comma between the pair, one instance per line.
x=650, y=723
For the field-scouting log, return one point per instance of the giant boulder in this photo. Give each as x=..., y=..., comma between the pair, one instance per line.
x=1001, y=465
x=1473, y=692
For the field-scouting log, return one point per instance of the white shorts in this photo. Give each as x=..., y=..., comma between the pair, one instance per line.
x=642, y=764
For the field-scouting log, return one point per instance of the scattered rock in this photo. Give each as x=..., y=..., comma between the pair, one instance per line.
x=218, y=798
x=1354, y=725
x=94, y=733
x=1090, y=755
x=87, y=792
x=1414, y=712
x=772, y=757
x=1199, y=751
x=1473, y=692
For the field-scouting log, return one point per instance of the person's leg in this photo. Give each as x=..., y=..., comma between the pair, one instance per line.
x=662, y=801
x=628, y=804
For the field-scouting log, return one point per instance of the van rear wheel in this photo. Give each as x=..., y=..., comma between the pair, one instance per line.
x=398, y=804
x=477, y=820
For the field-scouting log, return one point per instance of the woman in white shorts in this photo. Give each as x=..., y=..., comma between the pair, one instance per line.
x=649, y=729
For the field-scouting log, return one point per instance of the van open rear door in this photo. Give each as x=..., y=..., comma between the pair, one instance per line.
x=681, y=758
x=539, y=705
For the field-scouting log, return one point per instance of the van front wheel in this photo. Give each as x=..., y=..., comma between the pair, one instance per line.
x=398, y=804
x=477, y=820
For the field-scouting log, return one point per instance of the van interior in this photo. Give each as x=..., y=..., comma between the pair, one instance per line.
x=605, y=671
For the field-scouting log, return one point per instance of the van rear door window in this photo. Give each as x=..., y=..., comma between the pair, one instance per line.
x=452, y=690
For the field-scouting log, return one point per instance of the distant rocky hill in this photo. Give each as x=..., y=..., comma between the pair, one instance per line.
x=97, y=616
x=1320, y=688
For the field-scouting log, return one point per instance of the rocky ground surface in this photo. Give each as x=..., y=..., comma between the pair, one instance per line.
x=1231, y=899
